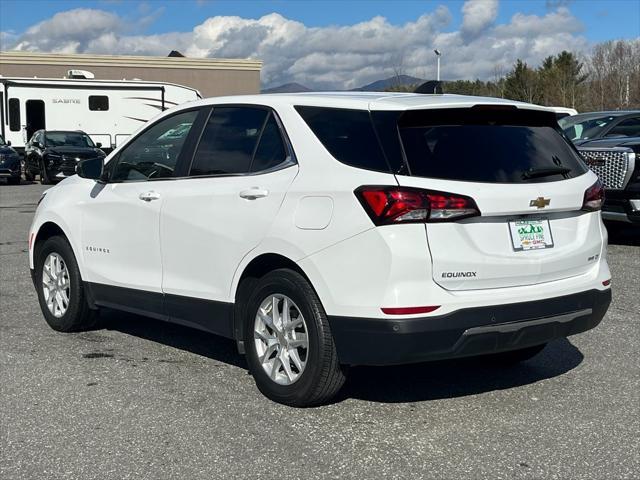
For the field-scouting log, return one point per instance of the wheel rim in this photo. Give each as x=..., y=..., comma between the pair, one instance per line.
x=281, y=339
x=56, y=285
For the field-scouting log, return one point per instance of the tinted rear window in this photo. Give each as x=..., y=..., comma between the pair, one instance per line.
x=493, y=147
x=348, y=135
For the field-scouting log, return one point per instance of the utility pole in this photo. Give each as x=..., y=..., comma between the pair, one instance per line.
x=438, y=54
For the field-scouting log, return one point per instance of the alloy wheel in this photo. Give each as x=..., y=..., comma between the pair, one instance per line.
x=56, y=284
x=281, y=339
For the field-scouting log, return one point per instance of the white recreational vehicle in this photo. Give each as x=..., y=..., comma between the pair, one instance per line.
x=108, y=110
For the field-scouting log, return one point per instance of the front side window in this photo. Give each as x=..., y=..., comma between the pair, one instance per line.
x=154, y=153
x=238, y=140
x=626, y=128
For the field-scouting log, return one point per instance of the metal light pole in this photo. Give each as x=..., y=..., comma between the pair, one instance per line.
x=437, y=52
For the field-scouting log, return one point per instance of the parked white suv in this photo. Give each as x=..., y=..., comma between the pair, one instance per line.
x=326, y=230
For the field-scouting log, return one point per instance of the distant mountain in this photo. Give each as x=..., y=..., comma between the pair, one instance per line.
x=377, y=86
x=287, y=88
x=382, y=85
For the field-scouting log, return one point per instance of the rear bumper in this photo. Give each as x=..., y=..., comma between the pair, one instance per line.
x=622, y=206
x=466, y=332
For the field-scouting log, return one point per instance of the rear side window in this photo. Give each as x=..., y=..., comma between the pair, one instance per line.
x=14, y=114
x=491, y=147
x=229, y=141
x=239, y=140
x=348, y=135
x=98, y=103
x=271, y=151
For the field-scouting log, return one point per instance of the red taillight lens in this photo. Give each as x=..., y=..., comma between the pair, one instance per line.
x=390, y=205
x=593, y=197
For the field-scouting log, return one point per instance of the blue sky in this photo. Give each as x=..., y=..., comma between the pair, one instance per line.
x=602, y=19
x=326, y=44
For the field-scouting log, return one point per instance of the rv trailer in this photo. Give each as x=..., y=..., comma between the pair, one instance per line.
x=108, y=110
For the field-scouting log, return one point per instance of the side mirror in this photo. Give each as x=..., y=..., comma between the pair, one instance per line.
x=91, y=168
x=9, y=142
x=99, y=145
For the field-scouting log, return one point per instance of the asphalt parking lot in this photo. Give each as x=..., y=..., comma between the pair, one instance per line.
x=141, y=399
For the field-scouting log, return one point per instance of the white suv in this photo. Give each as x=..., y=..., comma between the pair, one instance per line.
x=326, y=230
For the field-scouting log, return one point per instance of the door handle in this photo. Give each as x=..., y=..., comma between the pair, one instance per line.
x=253, y=193
x=149, y=196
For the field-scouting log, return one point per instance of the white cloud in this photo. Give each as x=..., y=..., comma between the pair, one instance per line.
x=477, y=16
x=325, y=57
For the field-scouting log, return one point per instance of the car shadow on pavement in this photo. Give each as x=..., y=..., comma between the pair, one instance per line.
x=177, y=336
x=402, y=383
x=457, y=378
x=623, y=234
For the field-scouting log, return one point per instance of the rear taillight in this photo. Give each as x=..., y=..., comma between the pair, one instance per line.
x=392, y=205
x=593, y=197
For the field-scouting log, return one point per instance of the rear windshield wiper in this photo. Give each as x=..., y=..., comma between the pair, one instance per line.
x=544, y=172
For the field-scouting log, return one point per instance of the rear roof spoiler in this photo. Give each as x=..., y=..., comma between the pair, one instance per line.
x=430, y=87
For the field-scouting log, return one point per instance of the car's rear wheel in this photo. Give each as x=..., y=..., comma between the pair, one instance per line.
x=59, y=286
x=289, y=346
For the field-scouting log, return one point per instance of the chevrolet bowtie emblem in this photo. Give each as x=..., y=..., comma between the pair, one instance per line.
x=540, y=202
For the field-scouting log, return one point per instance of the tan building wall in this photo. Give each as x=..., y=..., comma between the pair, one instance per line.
x=212, y=77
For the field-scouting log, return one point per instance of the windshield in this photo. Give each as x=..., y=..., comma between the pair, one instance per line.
x=581, y=128
x=68, y=139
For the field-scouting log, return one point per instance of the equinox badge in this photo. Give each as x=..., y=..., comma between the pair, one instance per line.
x=540, y=202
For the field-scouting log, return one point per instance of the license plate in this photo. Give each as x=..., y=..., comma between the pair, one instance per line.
x=531, y=234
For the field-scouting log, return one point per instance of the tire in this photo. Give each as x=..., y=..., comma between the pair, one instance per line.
x=28, y=176
x=77, y=316
x=13, y=180
x=515, y=356
x=322, y=376
x=44, y=175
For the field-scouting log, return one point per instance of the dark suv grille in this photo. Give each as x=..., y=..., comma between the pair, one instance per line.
x=612, y=165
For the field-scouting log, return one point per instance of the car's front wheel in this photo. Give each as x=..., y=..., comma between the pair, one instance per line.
x=44, y=175
x=59, y=286
x=289, y=346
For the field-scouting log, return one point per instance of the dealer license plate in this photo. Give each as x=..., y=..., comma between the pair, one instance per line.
x=530, y=234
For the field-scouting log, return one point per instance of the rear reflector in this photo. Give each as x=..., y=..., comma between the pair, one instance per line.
x=606, y=283
x=390, y=205
x=593, y=197
x=409, y=310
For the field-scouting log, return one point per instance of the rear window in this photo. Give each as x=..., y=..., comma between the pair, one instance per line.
x=348, y=135
x=498, y=146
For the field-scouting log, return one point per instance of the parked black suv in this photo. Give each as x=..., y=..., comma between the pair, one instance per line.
x=54, y=154
x=610, y=144
x=10, y=167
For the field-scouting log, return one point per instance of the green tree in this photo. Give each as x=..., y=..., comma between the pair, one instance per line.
x=522, y=83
